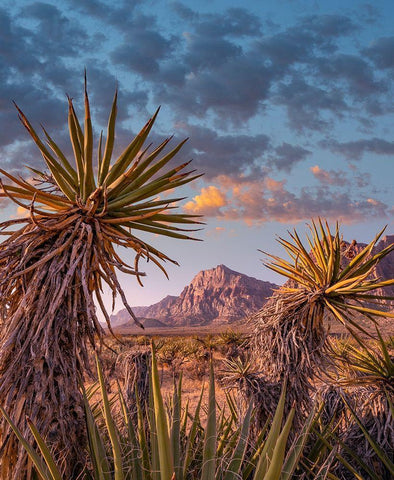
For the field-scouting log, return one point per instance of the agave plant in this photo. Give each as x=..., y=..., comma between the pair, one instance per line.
x=290, y=332
x=54, y=265
x=176, y=443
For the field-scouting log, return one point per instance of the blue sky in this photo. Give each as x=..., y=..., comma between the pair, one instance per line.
x=288, y=106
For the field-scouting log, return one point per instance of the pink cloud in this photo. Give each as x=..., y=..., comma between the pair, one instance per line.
x=329, y=177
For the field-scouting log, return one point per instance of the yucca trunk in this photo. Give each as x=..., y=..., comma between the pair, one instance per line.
x=45, y=328
x=372, y=408
x=53, y=265
x=327, y=280
x=290, y=344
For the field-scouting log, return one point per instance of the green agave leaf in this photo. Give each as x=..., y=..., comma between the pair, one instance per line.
x=163, y=437
x=234, y=469
x=276, y=465
x=40, y=466
x=97, y=449
x=210, y=439
x=109, y=421
x=190, y=445
x=296, y=450
x=175, y=436
x=273, y=435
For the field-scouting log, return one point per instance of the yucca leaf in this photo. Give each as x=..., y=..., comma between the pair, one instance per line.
x=210, y=438
x=266, y=454
x=377, y=313
x=163, y=437
x=130, y=152
x=40, y=466
x=89, y=183
x=192, y=436
x=62, y=158
x=109, y=144
x=349, y=282
x=233, y=470
x=161, y=231
x=252, y=462
x=175, y=430
x=109, y=421
x=297, y=448
x=75, y=138
x=61, y=176
x=134, y=191
x=134, y=176
x=376, y=447
x=133, y=456
x=141, y=179
x=276, y=465
x=146, y=463
x=97, y=450
x=358, y=259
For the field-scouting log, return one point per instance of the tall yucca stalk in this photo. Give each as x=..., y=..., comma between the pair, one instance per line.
x=54, y=265
x=291, y=329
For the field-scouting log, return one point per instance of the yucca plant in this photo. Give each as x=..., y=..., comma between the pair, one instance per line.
x=177, y=443
x=366, y=371
x=290, y=331
x=55, y=263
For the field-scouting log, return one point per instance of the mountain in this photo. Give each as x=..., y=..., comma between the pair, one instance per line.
x=385, y=269
x=221, y=295
x=214, y=296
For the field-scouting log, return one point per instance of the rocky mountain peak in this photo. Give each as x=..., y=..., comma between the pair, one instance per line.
x=217, y=295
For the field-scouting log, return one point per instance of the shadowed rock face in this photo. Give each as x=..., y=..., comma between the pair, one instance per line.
x=219, y=295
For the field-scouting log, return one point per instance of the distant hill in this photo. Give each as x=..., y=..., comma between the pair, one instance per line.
x=122, y=319
x=216, y=296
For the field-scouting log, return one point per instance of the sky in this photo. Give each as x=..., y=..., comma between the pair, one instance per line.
x=288, y=106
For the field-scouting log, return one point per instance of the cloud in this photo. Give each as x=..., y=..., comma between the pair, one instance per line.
x=354, y=150
x=356, y=74
x=231, y=155
x=381, y=52
x=152, y=48
x=269, y=200
x=234, y=22
x=329, y=177
x=209, y=202
x=286, y=156
x=307, y=105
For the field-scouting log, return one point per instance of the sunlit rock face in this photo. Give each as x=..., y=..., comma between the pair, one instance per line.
x=219, y=295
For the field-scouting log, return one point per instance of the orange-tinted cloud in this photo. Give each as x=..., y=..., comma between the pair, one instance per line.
x=269, y=200
x=209, y=202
